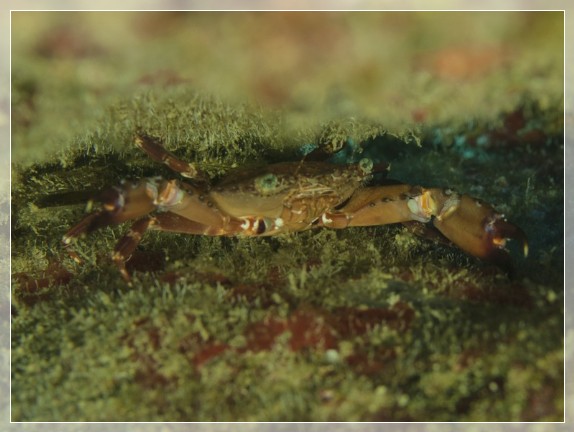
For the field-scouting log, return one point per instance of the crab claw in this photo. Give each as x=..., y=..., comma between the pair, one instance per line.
x=479, y=230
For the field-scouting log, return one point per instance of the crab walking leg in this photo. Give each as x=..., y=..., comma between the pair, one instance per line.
x=166, y=221
x=119, y=204
x=162, y=222
x=128, y=243
x=472, y=225
x=181, y=208
x=129, y=201
x=152, y=146
x=191, y=212
x=133, y=200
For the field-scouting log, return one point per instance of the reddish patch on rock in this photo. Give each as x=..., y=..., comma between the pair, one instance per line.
x=515, y=132
x=308, y=329
x=210, y=278
x=147, y=374
x=313, y=329
x=365, y=364
x=66, y=42
x=31, y=285
x=509, y=294
x=153, y=25
x=252, y=292
x=208, y=352
x=356, y=322
x=164, y=78
x=419, y=115
x=146, y=262
x=541, y=403
x=261, y=291
x=481, y=285
x=464, y=63
x=271, y=91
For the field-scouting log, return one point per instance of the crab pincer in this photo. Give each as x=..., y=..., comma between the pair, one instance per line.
x=479, y=230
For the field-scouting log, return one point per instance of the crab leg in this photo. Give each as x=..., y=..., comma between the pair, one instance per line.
x=472, y=225
x=119, y=204
x=162, y=222
x=377, y=206
x=152, y=146
x=188, y=208
x=180, y=208
x=134, y=200
x=128, y=243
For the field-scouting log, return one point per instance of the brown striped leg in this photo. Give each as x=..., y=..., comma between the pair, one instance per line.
x=152, y=146
x=75, y=232
x=172, y=222
x=167, y=221
x=127, y=244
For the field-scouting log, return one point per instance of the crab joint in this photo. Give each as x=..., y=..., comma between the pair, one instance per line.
x=433, y=202
x=256, y=226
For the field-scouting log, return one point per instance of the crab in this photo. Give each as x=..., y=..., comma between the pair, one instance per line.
x=289, y=197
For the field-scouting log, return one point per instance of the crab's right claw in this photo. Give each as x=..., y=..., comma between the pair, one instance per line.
x=478, y=229
x=500, y=230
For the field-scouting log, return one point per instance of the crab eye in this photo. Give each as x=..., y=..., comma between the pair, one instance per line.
x=366, y=165
x=266, y=184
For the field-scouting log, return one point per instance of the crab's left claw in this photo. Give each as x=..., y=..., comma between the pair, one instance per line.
x=477, y=228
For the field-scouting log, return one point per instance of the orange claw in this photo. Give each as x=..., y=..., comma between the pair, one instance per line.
x=479, y=230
